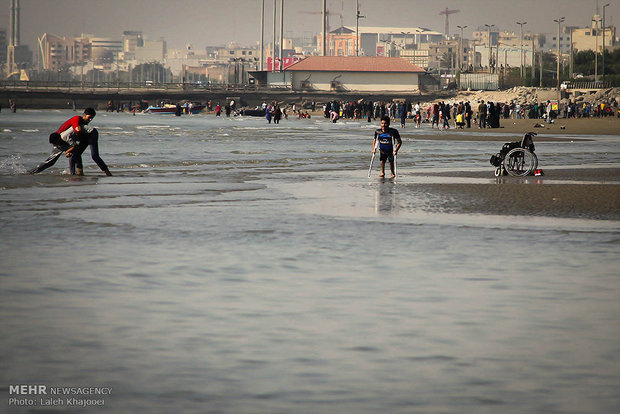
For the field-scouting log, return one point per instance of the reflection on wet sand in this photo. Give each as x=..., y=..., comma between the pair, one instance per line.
x=385, y=197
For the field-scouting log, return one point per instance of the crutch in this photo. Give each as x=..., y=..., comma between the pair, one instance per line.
x=395, y=165
x=372, y=159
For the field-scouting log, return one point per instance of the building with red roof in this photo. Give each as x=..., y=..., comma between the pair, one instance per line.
x=354, y=73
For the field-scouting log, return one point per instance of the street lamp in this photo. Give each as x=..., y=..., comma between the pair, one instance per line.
x=358, y=16
x=488, y=26
x=596, y=22
x=262, y=33
x=559, y=22
x=461, y=47
x=604, y=41
x=275, y=35
x=521, y=46
x=405, y=37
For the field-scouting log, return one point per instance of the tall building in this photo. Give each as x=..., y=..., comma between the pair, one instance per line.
x=131, y=41
x=151, y=51
x=591, y=37
x=14, y=34
x=17, y=56
x=57, y=52
x=376, y=41
x=3, y=47
x=105, y=51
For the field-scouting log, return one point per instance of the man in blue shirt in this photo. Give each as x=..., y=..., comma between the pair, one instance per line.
x=385, y=137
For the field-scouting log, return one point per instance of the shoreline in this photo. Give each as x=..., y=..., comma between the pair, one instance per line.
x=586, y=193
x=561, y=126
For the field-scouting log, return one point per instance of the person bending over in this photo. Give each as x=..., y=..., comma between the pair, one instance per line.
x=66, y=139
x=75, y=162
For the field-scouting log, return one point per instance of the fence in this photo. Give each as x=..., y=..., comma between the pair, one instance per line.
x=109, y=86
x=480, y=81
x=588, y=85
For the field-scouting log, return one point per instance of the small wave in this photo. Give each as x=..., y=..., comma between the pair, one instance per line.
x=6, y=130
x=30, y=130
x=12, y=165
x=152, y=126
x=249, y=152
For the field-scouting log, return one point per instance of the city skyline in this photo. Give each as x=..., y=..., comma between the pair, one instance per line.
x=207, y=23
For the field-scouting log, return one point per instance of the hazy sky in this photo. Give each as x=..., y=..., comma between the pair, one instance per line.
x=217, y=22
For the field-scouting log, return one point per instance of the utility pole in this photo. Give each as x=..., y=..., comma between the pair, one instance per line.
x=521, y=46
x=324, y=27
x=488, y=26
x=604, y=41
x=570, y=62
x=273, y=46
x=281, y=35
x=533, y=60
x=461, y=47
x=358, y=16
x=559, y=22
x=541, y=68
x=262, y=33
x=596, y=22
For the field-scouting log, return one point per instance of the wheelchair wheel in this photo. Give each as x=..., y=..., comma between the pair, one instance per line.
x=520, y=162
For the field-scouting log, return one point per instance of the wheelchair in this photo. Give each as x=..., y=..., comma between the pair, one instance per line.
x=516, y=158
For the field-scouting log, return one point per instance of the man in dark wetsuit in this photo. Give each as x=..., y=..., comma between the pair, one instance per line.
x=385, y=137
x=66, y=138
x=75, y=163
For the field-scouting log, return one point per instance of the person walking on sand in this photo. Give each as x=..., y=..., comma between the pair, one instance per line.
x=385, y=137
x=482, y=115
x=67, y=138
x=435, y=119
x=402, y=113
x=418, y=115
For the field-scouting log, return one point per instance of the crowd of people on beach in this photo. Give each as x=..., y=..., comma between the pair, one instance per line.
x=464, y=114
x=440, y=114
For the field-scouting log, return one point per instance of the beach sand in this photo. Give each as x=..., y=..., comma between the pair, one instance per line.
x=550, y=132
x=592, y=193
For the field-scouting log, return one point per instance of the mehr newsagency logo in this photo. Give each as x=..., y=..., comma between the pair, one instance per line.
x=39, y=395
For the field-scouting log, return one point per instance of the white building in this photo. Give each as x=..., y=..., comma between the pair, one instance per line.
x=105, y=51
x=352, y=73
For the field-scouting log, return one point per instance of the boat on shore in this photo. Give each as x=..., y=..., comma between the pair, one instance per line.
x=172, y=108
x=253, y=112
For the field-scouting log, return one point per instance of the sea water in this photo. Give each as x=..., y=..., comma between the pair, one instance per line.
x=232, y=266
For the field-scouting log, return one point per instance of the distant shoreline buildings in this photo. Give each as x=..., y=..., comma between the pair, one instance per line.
x=136, y=58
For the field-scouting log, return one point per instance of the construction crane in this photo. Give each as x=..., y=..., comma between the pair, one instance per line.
x=327, y=17
x=448, y=13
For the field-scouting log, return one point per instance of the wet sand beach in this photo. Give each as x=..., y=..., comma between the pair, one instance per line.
x=552, y=132
x=556, y=131
x=574, y=192
x=529, y=196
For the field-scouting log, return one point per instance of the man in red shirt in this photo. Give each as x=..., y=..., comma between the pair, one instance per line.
x=67, y=138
